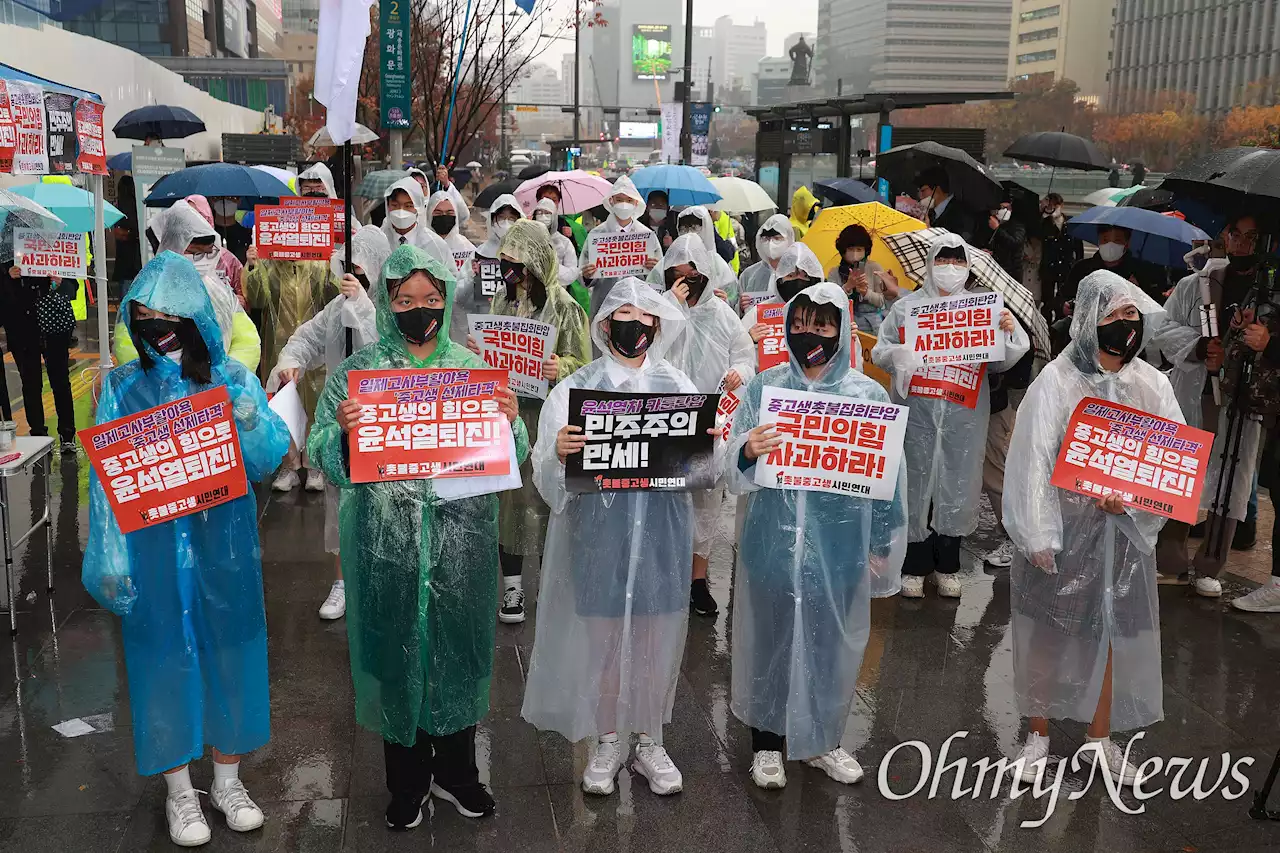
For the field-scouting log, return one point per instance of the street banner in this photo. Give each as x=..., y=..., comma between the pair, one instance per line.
x=620, y=255
x=8, y=131
x=771, y=350
x=1155, y=464
x=956, y=383
x=461, y=259
x=168, y=461
x=26, y=101
x=489, y=274
x=642, y=442
x=91, y=149
x=424, y=424
x=50, y=254
x=60, y=130
x=518, y=346
x=700, y=123
x=331, y=207
x=961, y=329
x=395, y=95
x=284, y=233
x=832, y=444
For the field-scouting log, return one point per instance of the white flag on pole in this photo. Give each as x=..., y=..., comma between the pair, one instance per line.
x=344, y=28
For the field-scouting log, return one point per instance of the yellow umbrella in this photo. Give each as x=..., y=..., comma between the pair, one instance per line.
x=877, y=218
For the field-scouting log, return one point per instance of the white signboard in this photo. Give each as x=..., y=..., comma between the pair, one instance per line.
x=962, y=329
x=518, y=346
x=50, y=254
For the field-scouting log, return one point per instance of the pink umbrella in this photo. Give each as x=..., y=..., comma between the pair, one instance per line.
x=579, y=190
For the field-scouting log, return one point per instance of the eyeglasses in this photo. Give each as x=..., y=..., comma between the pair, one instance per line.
x=1236, y=234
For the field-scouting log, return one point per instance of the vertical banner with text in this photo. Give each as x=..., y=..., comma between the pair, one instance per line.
x=26, y=101
x=394, y=93
x=91, y=149
x=60, y=128
x=8, y=131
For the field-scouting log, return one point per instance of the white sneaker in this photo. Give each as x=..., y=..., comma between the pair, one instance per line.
x=1112, y=760
x=286, y=481
x=1208, y=587
x=1035, y=749
x=1264, y=599
x=767, y=771
x=233, y=801
x=187, y=826
x=598, y=778
x=653, y=763
x=948, y=585
x=1002, y=556
x=315, y=480
x=839, y=765
x=335, y=606
x=912, y=586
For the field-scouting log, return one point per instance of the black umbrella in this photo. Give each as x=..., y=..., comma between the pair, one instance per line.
x=533, y=172
x=1026, y=203
x=1158, y=199
x=970, y=182
x=1230, y=176
x=1055, y=148
x=845, y=191
x=158, y=120
x=490, y=194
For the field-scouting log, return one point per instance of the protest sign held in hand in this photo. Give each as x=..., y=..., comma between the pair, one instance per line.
x=462, y=259
x=489, y=276
x=729, y=403
x=962, y=329
x=956, y=383
x=518, y=346
x=1155, y=464
x=654, y=442
x=771, y=350
x=619, y=255
x=331, y=207
x=52, y=254
x=284, y=233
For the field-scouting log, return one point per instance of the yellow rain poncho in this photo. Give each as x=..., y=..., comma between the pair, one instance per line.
x=802, y=204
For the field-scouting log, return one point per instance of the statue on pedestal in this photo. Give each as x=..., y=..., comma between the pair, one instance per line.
x=801, y=57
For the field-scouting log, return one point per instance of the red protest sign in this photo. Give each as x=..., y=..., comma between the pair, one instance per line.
x=330, y=207
x=168, y=461
x=956, y=383
x=771, y=350
x=422, y=424
x=1155, y=464
x=292, y=233
x=8, y=131
x=91, y=156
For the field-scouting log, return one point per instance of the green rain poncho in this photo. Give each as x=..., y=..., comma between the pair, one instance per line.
x=522, y=515
x=289, y=293
x=422, y=574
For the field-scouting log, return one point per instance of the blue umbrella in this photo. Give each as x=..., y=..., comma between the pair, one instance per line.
x=72, y=205
x=684, y=185
x=217, y=179
x=845, y=191
x=1157, y=238
x=121, y=162
x=158, y=120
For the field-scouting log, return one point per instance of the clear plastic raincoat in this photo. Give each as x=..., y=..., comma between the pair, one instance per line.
x=721, y=274
x=601, y=285
x=421, y=234
x=801, y=602
x=464, y=212
x=757, y=277
x=613, y=605
x=566, y=256
x=946, y=442
x=462, y=252
x=1101, y=592
x=189, y=590
x=422, y=574
x=470, y=299
x=522, y=513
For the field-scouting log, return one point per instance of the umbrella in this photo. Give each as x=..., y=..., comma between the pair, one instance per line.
x=72, y=205
x=532, y=172
x=578, y=190
x=121, y=162
x=158, y=120
x=970, y=182
x=1157, y=238
x=912, y=250
x=473, y=165
x=845, y=191
x=1054, y=148
x=375, y=184
x=684, y=185
x=18, y=211
x=322, y=139
x=217, y=179
x=490, y=194
x=738, y=195
x=284, y=176
x=878, y=219
x=1110, y=196
x=1230, y=179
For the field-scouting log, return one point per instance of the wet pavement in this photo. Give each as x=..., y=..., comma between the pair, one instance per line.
x=932, y=668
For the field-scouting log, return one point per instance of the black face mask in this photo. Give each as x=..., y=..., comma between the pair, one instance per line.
x=1242, y=263
x=512, y=275
x=443, y=223
x=788, y=289
x=316, y=194
x=363, y=279
x=630, y=337
x=161, y=334
x=810, y=349
x=419, y=325
x=1122, y=338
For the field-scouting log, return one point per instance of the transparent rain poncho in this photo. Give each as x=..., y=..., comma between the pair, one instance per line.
x=464, y=213
x=946, y=442
x=566, y=255
x=421, y=234
x=721, y=274
x=470, y=298
x=601, y=285
x=320, y=172
x=1100, y=592
x=522, y=513
x=805, y=575
x=757, y=277
x=189, y=590
x=421, y=573
x=613, y=605
x=462, y=252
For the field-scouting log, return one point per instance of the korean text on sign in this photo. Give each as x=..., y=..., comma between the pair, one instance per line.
x=957, y=329
x=422, y=424
x=518, y=346
x=489, y=272
x=331, y=207
x=292, y=233
x=56, y=254
x=771, y=350
x=620, y=255
x=956, y=383
x=832, y=444
x=1155, y=464
x=168, y=461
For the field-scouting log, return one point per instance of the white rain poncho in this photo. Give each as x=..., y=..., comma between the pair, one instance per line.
x=470, y=299
x=601, y=285
x=1103, y=594
x=801, y=601
x=455, y=195
x=463, y=252
x=421, y=234
x=757, y=277
x=723, y=278
x=566, y=255
x=175, y=228
x=613, y=606
x=320, y=172
x=946, y=442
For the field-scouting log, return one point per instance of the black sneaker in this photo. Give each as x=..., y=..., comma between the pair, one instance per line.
x=1246, y=536
x=701, y=600
x=470, y=800
x=405, y=811
x=512, y=610
x=68, y=447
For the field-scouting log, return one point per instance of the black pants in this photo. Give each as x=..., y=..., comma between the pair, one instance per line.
x=448, y=760
x=762, y=740
x=939, y=554
x=512, y=564
x=56, y=352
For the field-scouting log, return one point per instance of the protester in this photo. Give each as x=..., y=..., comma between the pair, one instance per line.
x=444, y=183
x=809, y=563
x=235, y=237
x=566, y=255
x=1059, y=253
x=773, y=238
x=471, y=298
x=725, y=232
x=189, y=590
x=941, y=208
x=869, y=287
x=1005, y=238
x=406, y=221
x=612, y=606
x=946, y=440
x=1086, y=622
x=798, y=268
x=622, y=205
x=804, y=209
x=1114, y=256
x=696, y=220
x=229, y=266
x=657, y=206
x=1138, y=173
x=443, y=217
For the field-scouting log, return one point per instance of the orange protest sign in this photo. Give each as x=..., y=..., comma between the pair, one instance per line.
x=330, y=207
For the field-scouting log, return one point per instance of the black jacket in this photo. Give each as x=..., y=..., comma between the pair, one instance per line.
x=1005, y=245
x=957, y=220
x=18, y=298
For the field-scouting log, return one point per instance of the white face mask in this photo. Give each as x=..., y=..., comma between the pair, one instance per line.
x=1112, y=252
x=623, y=211
x=657, y=214
x=501, y=227
x=926, y=203
x=206, y=265
x=225, y=207
x=950, y=277
x=1003, y=214
x=773, y=249
x=403, y=219
x=544, y=217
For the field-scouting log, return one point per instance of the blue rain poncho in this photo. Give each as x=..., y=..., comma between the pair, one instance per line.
x=801, y=600
x=1099, y=591
x=189, y=590
x=613, y=605
x=946, y=442
x=421, y=573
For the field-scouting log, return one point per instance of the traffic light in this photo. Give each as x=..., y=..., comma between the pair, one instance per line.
x=716, y=108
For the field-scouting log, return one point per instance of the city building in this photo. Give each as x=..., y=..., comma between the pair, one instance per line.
x=1062, y=39
x=1211, y=51
x=254, y=83
x=222, y=28
x=911, y=46
x=705, y=61
x=636, y=57
x=298, y=50
x=534, y=101
x=738, y=47
x=566, y=77
x=301, y=16
x=772, y=74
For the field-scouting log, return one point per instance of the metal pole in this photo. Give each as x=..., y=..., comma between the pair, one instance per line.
x=686, y=109
x=577, y=65
x=100, y=275
x=397, y=149
x=346, y=223
x=502, y=109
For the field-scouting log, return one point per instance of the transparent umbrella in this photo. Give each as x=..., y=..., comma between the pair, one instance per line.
x=322, y=139
x=21, y=212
